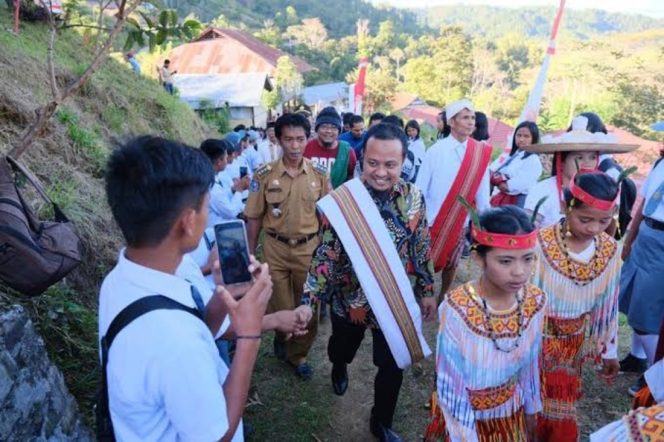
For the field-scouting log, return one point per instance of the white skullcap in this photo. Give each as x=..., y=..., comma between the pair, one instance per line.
x=457, y=106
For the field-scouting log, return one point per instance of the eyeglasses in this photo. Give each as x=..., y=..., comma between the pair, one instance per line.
x=328, y=127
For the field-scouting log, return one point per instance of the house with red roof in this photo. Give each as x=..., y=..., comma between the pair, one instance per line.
x=229, y=51
x=228, y=69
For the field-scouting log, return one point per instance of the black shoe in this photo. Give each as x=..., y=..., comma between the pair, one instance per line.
x=339, y=379
x=632, y=364
x=383, y=433
x=279, y=350
x=304, y=371
x=637, y=386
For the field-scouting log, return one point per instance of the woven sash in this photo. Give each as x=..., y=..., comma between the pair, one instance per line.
x=447, y=227
x=376, y=262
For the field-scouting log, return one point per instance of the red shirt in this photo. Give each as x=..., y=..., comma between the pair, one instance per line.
x=319, y=155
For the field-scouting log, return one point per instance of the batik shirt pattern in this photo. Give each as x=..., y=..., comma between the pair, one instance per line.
x=331, y=276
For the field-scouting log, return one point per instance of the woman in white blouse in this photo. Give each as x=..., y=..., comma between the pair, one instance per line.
x=515, y=174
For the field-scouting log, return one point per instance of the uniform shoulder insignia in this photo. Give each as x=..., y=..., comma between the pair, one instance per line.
x=262, y=171
x=320, y=168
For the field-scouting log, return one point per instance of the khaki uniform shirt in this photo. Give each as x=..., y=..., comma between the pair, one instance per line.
x=287, y=205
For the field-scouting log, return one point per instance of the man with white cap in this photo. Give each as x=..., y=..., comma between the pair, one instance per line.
x=454, y=166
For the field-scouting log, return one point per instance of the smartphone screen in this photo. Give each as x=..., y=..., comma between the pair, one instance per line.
x=243, y=171
x=233, y=252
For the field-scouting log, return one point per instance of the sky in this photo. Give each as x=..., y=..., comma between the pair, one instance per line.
x=652, y=8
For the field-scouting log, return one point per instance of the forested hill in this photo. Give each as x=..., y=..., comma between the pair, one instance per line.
x=338, y=16
x=493, y=22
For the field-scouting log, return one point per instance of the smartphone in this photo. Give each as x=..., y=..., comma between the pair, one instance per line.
x=233, y=247
x=243, y=171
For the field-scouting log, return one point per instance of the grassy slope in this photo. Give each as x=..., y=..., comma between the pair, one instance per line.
x=69, y=161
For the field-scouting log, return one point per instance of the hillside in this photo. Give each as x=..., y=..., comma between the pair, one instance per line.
x=338, y=16
x=492, y=22
x=69, y=161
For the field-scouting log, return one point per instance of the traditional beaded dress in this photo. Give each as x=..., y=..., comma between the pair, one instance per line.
x=487, y=367
x=581, y=324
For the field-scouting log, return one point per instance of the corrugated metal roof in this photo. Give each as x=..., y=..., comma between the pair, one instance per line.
x=325, y=94
x=228, y=51
x=238, y=90
x=402, y=100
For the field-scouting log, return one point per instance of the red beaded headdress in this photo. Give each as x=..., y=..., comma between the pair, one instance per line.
x=504, y=240
x=586, y=198
x=517, y=241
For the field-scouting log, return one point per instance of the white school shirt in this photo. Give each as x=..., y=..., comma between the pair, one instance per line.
x=522, y=173
x=654, y=180
x=165, y=376
x=252, y=158
x=550, y=209
x=439, y=169
x=224, y=204
x=191, y=272
x=269, y=152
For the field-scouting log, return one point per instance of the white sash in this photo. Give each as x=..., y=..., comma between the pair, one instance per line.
x=352, y=212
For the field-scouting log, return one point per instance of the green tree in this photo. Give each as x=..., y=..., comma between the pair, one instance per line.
x=397, y=55
x=288, y=80
x=159, y=29
x=363, y=39
x=311, y=33
x=269, y=33
x=513, y=55
x=638, y=105
x=380, y=87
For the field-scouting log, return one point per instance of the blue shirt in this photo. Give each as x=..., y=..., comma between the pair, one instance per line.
x=355, y=143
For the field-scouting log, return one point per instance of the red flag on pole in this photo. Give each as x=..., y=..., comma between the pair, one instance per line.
x=360, y=85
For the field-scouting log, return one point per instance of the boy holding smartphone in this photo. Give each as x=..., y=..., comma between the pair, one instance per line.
x=166, y=380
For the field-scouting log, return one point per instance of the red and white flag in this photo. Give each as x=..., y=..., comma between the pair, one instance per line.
x=358, y=94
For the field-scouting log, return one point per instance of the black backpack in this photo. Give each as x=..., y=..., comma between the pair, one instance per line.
x=628, y=194
x=137, y=308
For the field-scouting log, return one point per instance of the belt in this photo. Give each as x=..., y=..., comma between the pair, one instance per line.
x=293, y=241
x=654, y=224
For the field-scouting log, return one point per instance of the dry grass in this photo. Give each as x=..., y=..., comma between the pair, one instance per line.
x=68, y=160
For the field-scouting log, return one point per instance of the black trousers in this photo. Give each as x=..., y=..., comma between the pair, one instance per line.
x=344, y=342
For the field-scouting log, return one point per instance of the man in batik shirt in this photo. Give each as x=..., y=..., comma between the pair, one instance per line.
x=332, y=277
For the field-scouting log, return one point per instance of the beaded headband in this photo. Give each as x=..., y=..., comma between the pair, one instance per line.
x=586, y=198
x=500, y=240
x=503, y=240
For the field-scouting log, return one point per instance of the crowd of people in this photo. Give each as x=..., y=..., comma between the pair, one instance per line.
x=354, y=223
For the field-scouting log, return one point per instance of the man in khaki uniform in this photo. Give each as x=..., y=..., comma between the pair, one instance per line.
x=282, y=201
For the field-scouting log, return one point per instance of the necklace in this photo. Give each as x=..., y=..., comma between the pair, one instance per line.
x=487, y=320
x=564, y=233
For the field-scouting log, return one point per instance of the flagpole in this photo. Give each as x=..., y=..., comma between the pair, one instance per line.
x=531, y=110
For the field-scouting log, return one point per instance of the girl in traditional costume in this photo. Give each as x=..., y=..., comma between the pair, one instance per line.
x=515, y=174
x=489, y=339
x=577, y=149
x=579, y=269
